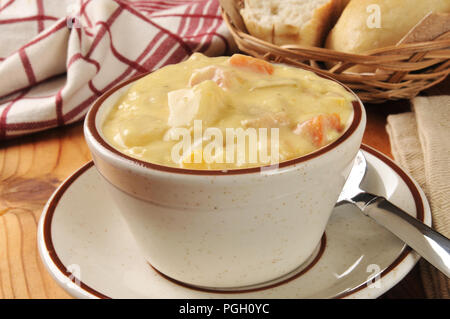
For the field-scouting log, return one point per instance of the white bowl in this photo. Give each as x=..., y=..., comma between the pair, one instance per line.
x=224, y=229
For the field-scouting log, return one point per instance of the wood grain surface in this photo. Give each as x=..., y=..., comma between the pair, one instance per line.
x=32, y=167
x=30, y=170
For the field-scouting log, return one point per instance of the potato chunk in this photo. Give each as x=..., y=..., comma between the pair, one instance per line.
x=141, y=131
x=205, y=101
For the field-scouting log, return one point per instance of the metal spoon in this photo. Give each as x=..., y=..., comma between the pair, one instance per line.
x=428, y=243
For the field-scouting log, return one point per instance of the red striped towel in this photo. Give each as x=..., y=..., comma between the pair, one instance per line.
x=58, y=56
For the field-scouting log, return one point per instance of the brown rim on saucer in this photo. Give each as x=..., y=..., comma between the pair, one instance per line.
x=263, y=286
x=53, y=202
x=47, y=231
x=420, y=215
x=90, y=124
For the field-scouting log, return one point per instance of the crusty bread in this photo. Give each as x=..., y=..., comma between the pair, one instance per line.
x=344, y=3
x=301, y=22
x=352, y=33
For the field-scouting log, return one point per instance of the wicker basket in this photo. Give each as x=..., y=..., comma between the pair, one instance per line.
x=402, y=71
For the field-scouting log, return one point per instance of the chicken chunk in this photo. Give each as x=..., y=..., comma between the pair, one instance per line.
x=221, y=77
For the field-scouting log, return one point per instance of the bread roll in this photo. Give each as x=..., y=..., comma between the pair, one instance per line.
x=302, y=22
x=344, y=3
x=353, y=34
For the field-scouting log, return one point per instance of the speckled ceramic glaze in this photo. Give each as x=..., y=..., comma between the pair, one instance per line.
x=225, y=229
x=86, y=246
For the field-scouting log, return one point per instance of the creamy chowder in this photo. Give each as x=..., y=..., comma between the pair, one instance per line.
x=200, y=113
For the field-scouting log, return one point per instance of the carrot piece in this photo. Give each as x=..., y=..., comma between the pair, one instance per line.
x=254, y=64
x=335, y=122
x=317, y=127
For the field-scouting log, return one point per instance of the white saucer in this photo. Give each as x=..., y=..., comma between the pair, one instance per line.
x=87, y=247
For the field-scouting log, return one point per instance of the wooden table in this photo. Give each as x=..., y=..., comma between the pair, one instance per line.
x=31, y=168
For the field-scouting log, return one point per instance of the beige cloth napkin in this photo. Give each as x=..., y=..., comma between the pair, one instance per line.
x=420, y=142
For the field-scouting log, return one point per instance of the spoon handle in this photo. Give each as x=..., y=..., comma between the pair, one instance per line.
x=428, y=243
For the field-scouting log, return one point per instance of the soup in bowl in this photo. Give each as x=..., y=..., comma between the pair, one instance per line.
x=227, y=113
x=226, y=169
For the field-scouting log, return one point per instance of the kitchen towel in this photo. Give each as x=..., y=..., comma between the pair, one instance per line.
x=58, y=56
x=420, y=142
